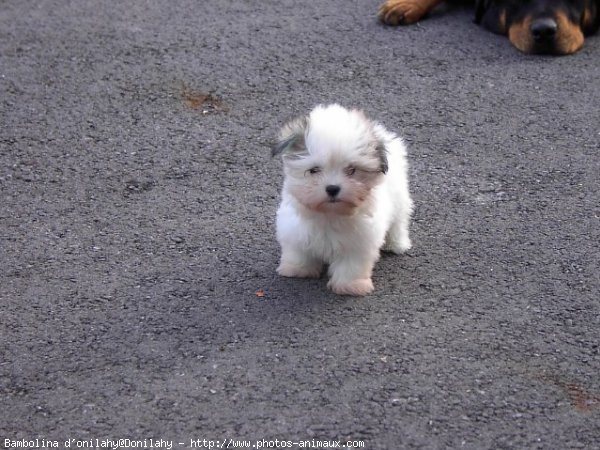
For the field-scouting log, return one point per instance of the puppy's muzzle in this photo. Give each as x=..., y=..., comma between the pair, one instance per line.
x=332, y=190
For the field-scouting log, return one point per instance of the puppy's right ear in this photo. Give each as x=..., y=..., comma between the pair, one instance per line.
x=292, y=142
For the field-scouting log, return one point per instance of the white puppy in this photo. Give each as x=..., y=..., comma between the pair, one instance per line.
x=345, y=196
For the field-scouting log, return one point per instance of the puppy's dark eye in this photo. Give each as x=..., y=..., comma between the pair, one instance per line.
x=350, y=171
x=314, y=170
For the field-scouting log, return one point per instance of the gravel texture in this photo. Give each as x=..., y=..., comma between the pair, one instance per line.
x=137, y=199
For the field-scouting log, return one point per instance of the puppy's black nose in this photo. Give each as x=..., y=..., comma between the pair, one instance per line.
x=544, y=29
x=333, y=190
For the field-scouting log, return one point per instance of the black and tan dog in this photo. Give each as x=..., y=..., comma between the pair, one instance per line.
x=555, y=27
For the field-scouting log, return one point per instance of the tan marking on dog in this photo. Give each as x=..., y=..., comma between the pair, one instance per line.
x=588, y=18
x=405, y=12
x=570, y=37
x=502, y=21
x=520, y=36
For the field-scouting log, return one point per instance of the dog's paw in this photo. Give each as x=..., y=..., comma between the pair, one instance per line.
x=401, y=12
x=293, y=271
x=358, y=287
x=398, y=246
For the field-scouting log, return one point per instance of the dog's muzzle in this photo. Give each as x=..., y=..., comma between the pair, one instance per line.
x=544, y=31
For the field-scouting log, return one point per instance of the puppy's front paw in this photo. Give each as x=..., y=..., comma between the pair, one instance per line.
x=401, y=12
x=358, y=287
x=294, y=271
x=397, y=246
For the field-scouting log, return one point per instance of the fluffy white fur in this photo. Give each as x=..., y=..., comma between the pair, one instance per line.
x=335, y=149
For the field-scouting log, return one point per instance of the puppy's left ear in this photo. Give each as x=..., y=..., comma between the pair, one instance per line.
x=382, y=155
x=292, y=140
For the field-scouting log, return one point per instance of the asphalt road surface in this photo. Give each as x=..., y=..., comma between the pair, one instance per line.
x=138, y=291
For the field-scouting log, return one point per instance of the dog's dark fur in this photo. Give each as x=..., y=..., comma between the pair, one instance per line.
x=556, y=27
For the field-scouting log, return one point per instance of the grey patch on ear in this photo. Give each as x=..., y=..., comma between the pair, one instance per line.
x=292, y=141
x=288, y=143
x=382, y=155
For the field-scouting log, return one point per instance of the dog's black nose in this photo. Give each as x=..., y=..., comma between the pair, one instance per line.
x=544, y=29
x=333, y=190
